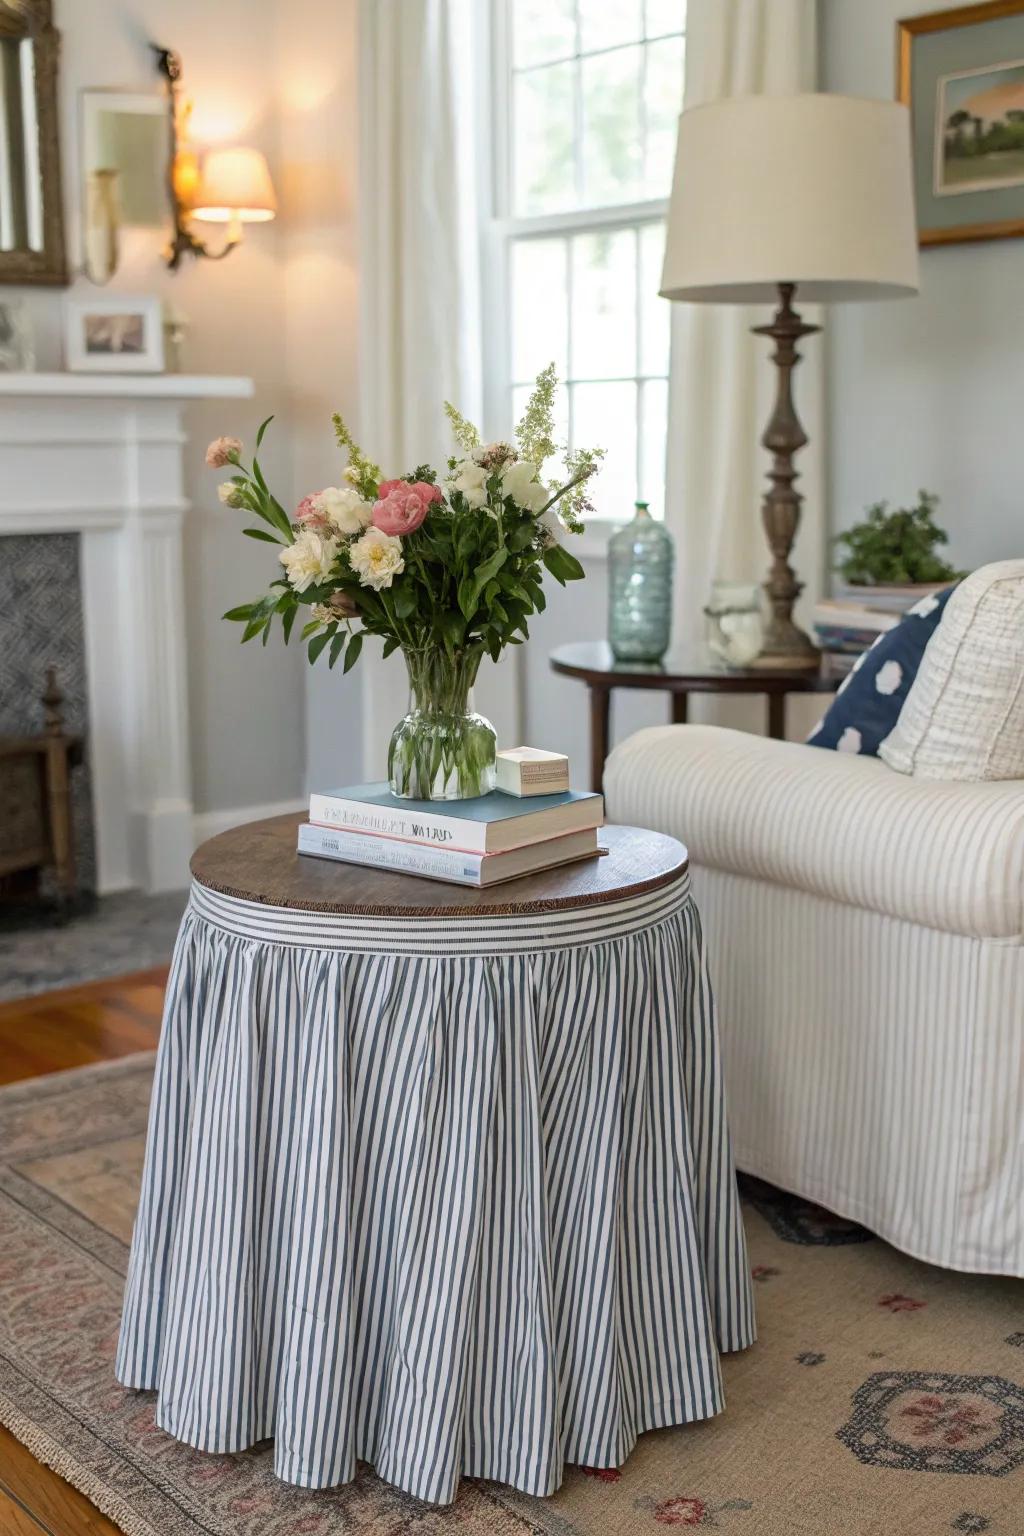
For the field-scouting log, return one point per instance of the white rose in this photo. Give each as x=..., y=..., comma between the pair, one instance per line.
x=309, y=559
x=377, y=557
x=345, y=509
x=520, y=482
x=552, y=525
x=471, y=480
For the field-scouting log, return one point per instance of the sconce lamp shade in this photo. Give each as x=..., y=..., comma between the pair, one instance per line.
x=814, y=190
x=234, y=185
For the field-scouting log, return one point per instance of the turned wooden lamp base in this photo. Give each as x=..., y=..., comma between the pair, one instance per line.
x=785, y=642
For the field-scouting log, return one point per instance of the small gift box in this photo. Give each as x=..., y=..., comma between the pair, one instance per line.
x=529, y=771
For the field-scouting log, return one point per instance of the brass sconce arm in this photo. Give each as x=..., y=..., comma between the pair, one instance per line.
x=183, y=241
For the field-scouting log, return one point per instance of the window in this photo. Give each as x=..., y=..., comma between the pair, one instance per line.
x=586, y=99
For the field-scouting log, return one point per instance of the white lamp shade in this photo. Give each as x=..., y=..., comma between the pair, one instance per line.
x=814, y=190
x=234, y=184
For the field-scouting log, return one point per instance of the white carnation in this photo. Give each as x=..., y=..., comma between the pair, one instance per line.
x=471, y=479
x=345, y=509
x=520, y=482
x=309, y=560
x=229, y=494
x=377, y=557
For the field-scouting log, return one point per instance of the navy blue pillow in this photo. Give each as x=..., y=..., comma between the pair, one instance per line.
x=869, y=701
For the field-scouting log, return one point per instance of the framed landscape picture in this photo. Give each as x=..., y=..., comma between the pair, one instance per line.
x=961, y=73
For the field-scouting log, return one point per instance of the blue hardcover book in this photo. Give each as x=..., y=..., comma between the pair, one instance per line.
x=491, y=823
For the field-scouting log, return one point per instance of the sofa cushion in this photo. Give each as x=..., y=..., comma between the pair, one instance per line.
x=948, y=856
x=964, y=716
x=869, y=700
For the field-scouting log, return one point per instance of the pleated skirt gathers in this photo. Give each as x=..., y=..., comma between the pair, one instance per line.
x=454, y=1197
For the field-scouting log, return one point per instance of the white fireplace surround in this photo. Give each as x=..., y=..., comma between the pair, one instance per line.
x=101, y=456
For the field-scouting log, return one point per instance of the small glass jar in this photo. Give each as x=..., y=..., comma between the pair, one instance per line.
x=640, y=561
x=735, y=623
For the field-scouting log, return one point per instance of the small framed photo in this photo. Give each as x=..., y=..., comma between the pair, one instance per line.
x=116, y=334
x=961, y=73
x=17, y=349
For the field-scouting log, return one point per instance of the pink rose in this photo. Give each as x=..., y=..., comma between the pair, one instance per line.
x=387, y=486
x=403, y=509
x=310, y=512
x=223, y=450
x=430, y=493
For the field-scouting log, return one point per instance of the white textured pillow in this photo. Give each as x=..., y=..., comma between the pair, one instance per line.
x=964, y=715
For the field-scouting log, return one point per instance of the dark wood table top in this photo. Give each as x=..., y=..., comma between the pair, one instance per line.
x=696, y=671
x=258, y=862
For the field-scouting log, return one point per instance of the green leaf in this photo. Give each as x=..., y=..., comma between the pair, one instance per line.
x=262, y=534
x=563, y=566
x=470, y=587
x=309, y=629
x=317, y=645
x=337, y=646
x=391, y=644
x=236, y=615
x=259, y=435
x=355, y=645
x=287, y=620
x=253, y=627
x=404, y=600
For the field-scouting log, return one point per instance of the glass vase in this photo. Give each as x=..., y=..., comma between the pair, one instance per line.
x=442, y=749
x=640, y=560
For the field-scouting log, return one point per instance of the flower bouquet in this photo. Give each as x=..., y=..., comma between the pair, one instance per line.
x=446, y=572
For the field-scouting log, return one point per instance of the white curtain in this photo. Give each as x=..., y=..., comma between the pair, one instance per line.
x=721, y=381
x=420, y=319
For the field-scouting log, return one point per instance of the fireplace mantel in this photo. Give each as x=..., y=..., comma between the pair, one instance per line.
x=101, y=455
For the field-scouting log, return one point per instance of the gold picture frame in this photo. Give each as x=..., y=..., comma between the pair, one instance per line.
x=937, y=210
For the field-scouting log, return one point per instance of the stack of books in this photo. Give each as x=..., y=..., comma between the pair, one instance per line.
x=845, y=629
x=476, y=842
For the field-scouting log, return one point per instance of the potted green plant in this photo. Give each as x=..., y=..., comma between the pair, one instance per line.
x=895, y=549
x=892, y=553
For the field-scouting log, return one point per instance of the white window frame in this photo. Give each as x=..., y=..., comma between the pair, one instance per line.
x=500, y=228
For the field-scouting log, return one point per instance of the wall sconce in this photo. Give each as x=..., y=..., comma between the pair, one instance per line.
x=229, y=186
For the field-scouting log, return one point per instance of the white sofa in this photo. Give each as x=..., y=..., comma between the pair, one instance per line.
x=865, y=936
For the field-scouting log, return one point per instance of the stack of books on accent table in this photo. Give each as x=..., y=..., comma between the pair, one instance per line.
x=477, y=842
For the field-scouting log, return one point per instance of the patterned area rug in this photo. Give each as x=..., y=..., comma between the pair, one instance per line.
x=122, y=933
x=884, y=1396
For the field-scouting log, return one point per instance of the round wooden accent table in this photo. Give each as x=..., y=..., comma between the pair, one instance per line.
x=679, y=674
x=419, y=1155
x=258, y=863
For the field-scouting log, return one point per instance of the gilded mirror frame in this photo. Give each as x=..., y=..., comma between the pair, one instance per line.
x=34, y=19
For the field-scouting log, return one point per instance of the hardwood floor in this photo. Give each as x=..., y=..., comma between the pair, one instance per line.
x=49, y=1033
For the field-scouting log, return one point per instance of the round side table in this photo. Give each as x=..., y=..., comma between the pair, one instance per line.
x=437, y=1179
x=679, y=674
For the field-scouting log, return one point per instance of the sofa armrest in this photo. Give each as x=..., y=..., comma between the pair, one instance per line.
x=945, y=855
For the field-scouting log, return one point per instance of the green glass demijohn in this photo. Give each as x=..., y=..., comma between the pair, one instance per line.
x=640, y=561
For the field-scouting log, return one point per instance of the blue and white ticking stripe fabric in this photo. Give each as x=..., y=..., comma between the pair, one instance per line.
x=450, y=1196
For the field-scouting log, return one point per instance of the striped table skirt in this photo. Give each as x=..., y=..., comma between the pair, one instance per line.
x=454, y=1197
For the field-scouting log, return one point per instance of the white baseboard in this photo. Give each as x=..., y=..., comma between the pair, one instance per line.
x=209, y=823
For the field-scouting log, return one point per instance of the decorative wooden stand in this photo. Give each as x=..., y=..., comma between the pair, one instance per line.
x=784, y=641
x=35, y=805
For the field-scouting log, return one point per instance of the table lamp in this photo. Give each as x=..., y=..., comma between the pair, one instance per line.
x=775, y=196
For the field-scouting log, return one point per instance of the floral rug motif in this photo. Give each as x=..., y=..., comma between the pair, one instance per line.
x=883, y=1396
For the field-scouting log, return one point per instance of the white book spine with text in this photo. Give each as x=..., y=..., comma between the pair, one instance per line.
x=436, y=832
x=390, y=853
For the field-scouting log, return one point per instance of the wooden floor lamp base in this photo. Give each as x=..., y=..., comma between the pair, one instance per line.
x=785, y=642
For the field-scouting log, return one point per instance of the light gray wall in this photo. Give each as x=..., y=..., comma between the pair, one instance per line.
x=926, y=391
x=245, y=703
